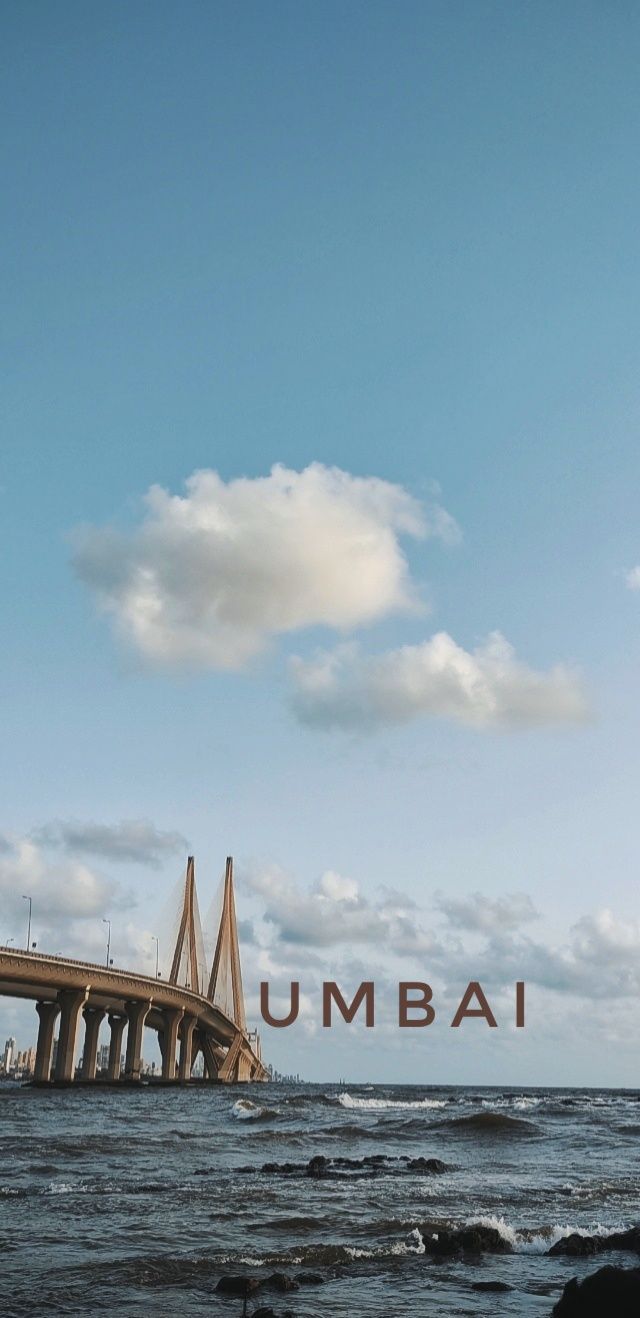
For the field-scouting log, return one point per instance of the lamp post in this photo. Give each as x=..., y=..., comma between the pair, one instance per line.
x=157, y=955
x=108, y=922
x=28, y=899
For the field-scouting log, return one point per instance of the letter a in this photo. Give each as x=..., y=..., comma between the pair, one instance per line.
x=473, y=990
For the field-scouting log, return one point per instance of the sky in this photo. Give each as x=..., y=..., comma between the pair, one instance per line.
x=319, y=509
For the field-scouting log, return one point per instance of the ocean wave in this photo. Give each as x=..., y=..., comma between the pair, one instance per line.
x=520, y=1102
x=388, y=1104
x=245, y=1110
x=298, y=1222
x=306, y=1100
x=538, y=1240
x=329, y=1255
x=490, y=1123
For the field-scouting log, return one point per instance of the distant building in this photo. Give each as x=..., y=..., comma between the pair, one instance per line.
x=24, y=1064
x=9, y=1050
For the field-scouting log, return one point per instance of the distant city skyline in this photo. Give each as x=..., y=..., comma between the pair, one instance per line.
x=319, y=498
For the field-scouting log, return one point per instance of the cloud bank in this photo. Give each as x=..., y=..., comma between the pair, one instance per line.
x=134, y=840
x=208, y=577
x=475, y=935
x=336, y=912
x=484, y=688
x=60, y=892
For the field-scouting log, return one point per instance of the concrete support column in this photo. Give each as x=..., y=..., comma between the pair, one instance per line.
x=93, y=1018
x=116, y=1025
x=171, y=1017
x=211, y=1057
x=71, y=1003
x=137, y=1013
x=48, y=1013
x=245, y=1066
x=186, y=1048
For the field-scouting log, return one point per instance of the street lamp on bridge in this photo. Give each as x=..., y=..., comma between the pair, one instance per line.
x=157, y=955
x=28, y=899
x=108, y=940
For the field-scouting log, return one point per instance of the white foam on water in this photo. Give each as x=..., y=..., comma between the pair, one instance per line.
x=388, y=1104
x=412, y=1245
x=527, y=1243
x=245, y=1110
x=522, y=1102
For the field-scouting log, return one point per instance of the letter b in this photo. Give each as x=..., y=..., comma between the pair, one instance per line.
x=422, y=1003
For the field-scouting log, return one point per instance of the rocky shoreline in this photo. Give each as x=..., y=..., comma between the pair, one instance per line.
x=612, y=1289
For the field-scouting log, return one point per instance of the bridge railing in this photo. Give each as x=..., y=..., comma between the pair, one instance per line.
x=110, y=970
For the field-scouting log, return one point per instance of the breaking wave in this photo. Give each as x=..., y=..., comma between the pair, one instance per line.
x=245, y=1110
x=389, y=1104
x=537, y=1240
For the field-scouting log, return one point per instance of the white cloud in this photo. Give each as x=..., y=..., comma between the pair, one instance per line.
x=69, y=902
x=335, y=912
x=208, y=577
x=474, y=936
x=134, y=840
x=484, y=688
x=633, y=578
x=482, y=914
x=60, y=893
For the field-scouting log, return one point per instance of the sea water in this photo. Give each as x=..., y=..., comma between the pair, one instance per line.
x=138, y=1201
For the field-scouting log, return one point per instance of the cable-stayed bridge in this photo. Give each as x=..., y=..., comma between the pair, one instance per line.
x=196, y=1009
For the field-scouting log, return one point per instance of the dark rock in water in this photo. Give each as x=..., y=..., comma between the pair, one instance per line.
x=491, y=1286
x=576, y=1246
x=445, y=1241
x=279, y=1281
x=320, y=1166
x=309, y=1278
x=582, y=1246
x=614, y=1291
x=237, y=1285
x=267, y=1312
x=434, y=1166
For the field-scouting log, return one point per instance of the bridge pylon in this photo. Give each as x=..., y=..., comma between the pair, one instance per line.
x=189, y=949
x=225, y=983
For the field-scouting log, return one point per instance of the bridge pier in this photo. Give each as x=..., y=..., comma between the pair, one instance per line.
x=185, y=1065
x=137, y=1013
x=71, y=1003
x=116, y=1025
x=93, y=1018
x=48, y=1013
x=245, y=1068
x=172, y=1017
x=211, y=1057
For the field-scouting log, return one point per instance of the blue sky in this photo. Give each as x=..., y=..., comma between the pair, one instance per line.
x=395, y=239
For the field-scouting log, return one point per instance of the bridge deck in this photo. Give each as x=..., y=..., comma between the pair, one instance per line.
x=58, y=980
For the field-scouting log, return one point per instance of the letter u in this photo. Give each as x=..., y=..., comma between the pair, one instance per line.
x=293, y=1014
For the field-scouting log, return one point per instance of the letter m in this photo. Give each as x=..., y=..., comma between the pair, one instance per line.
x=331, y=993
